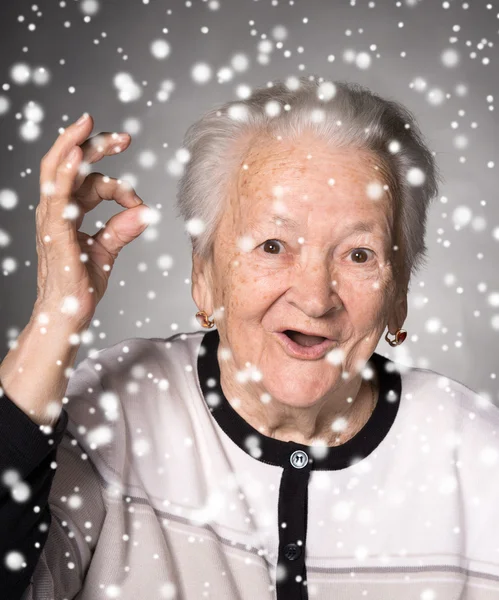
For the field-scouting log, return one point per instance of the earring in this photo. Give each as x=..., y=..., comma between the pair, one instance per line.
x=400, y=336
x=206, y=322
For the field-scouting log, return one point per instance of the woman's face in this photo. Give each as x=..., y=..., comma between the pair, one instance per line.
x=316, y=274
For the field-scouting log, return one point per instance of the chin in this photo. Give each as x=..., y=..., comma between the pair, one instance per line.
x=294, y=394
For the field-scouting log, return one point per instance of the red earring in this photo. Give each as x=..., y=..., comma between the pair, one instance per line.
x=400, y=336
x=206, y=322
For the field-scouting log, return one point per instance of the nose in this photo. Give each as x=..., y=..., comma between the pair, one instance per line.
x=312, y=290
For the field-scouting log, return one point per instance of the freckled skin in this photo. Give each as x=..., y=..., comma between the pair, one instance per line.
x=319, y=284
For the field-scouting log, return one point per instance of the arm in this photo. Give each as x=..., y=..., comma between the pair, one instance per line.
x=73, y=272
x=57, y=528
x=26, y=466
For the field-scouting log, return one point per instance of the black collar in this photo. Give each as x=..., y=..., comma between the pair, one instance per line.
x=277, y=452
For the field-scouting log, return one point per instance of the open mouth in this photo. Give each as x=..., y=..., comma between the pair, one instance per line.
x=304, y=347
x=302, y=339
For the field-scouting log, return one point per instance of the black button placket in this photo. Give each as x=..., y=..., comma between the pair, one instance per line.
x=291, y=581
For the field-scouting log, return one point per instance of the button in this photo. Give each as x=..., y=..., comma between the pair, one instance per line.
x=292, y=551
x=299, y=459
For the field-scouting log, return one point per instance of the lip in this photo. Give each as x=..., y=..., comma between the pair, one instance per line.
x=307, y=353
x=305, y=332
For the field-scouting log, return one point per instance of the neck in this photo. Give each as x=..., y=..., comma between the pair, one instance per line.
x=303, y=425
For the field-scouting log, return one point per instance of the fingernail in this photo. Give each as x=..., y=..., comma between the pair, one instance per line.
x=82, y=119
x=145, y=216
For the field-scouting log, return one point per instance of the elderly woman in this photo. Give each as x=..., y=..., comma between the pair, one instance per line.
x=277, y=456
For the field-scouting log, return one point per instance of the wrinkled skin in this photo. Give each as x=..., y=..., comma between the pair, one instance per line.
x=314, y=279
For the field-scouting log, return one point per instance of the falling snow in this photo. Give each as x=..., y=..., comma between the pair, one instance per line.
x=150, y=69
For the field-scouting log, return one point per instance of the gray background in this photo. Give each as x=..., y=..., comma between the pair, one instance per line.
x=453, y=321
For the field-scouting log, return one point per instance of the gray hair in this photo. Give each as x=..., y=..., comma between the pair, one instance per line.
x=343, y=114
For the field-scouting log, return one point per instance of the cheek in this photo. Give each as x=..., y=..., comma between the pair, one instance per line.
x=250, y=274
x=254, y=283
x=371, y=312
x=367, y=300
x=250, y=289
x=373, y=280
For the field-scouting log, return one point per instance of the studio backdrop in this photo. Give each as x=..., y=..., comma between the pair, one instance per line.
x=152, y=67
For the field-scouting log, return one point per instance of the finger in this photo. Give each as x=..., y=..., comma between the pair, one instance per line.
x=104, y=143
x=97, y=187
x=98, y=146
x=53, y=208
x=121, y=229
x=74, y=134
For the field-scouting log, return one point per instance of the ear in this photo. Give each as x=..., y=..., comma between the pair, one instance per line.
x=398, y=314
x=201, y=283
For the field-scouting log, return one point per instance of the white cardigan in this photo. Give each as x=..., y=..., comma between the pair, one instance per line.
x=157, y=497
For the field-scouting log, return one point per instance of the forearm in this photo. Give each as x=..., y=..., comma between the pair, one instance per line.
x=33, y=373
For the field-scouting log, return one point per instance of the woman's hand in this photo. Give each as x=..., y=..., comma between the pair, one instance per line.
x=74, y=267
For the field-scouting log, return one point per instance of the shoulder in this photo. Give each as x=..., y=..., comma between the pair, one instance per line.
x=116, y=392
x=131, y=357
x=450, y=404
x=135, y=348
x=429, y=385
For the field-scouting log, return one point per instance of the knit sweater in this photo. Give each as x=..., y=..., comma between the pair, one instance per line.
x=152, y=486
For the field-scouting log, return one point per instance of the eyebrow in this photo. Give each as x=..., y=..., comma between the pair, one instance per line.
x=282, y=221
x=288, y=223
x=362, y=227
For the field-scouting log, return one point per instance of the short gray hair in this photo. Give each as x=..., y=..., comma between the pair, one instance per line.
x=341, y=113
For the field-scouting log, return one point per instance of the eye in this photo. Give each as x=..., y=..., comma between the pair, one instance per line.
x=359, y=252
x=272, y=247
x=272, y=244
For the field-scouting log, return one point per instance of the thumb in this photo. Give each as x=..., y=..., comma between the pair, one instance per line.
x=122, y=228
